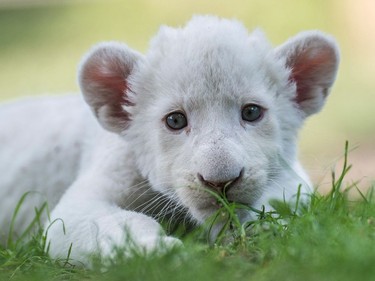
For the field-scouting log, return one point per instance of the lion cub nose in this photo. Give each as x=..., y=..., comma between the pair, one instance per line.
x=221, y=186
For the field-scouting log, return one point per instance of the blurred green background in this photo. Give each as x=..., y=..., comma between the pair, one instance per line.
x=41, y=43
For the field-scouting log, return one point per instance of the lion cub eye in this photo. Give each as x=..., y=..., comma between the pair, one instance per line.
x=252, y=112
x=176, y=121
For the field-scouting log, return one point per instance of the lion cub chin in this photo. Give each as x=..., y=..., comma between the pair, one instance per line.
x=210, y=110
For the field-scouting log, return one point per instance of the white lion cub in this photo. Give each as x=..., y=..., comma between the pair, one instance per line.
x=210, y=106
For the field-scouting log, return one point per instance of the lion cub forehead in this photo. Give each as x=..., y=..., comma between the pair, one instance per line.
x=203, y=35
x=210, y=57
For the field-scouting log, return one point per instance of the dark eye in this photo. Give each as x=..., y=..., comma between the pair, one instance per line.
x=176, y=121
x=252, y=112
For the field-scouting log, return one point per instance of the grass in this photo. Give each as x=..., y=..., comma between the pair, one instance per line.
x=329, y=238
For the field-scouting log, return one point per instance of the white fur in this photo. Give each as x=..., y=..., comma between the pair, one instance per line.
x=106, y=184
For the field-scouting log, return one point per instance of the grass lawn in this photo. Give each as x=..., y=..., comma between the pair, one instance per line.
x=329, y=238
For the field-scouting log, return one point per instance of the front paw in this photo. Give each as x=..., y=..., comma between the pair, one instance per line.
x=138, y=234
x=125, y=233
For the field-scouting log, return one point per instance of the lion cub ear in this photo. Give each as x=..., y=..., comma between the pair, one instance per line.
x=103, y=78
x=312, y=58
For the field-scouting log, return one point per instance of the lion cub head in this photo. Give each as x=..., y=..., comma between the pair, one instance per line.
x=211, y=106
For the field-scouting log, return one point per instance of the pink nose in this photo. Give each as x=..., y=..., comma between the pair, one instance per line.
x=220, y=186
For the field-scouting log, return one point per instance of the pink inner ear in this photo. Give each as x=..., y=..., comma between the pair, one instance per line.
x=308, y=70
x=107, y=87
x=111, y=80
